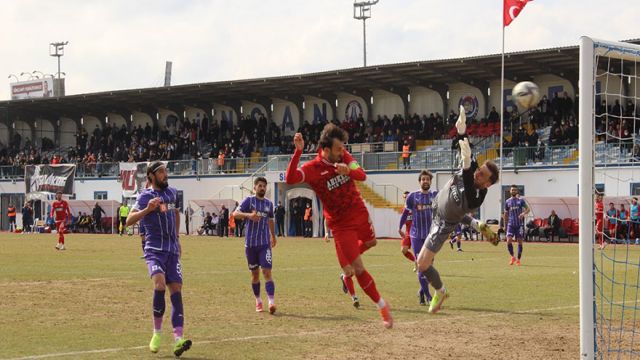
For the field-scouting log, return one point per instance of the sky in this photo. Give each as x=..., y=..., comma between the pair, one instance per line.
x=123, y=44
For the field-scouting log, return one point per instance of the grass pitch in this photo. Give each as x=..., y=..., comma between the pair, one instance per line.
x=93, y=301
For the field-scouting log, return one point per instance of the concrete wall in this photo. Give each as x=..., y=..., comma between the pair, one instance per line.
x=425, y=101
x=386, y=103
x=344, y=101
x=317, y=110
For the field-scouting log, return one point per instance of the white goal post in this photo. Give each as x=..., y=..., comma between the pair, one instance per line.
x=606, y=334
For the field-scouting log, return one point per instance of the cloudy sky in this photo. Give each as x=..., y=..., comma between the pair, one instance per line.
x=123, y=44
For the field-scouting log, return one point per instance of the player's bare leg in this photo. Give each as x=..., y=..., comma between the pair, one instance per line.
x=425, y=266
x=270, y=289
x=510, y=248
x=255, y=286
x=368, y=285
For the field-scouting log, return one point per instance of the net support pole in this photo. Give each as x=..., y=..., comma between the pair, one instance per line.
x=585, y=198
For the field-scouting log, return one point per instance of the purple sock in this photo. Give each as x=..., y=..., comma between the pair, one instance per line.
x=424, y=285
x=177, y=312
x=270, y=287
x=459, y=243
x=256, y=289
x=510, y=247
x=519, y=251
x=158, y=309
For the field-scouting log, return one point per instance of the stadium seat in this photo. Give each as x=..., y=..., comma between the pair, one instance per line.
x=573, y=229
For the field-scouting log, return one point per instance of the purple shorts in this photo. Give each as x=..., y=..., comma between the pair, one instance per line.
x=417, y=244
x=515, y=231
x=258, y=256
x=164, y=263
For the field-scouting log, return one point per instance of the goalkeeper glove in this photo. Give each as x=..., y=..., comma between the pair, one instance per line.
x=486, y=231
x=461, y=124
x=465, y=153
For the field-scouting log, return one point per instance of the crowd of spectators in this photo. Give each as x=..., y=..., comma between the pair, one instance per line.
x=201, y=137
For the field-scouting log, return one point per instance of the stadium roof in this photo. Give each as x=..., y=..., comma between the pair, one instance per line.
x=436, y=74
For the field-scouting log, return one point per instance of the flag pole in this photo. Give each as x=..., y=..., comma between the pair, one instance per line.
x=501, y=116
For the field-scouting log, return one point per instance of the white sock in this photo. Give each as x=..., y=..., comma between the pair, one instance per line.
x=381, y=303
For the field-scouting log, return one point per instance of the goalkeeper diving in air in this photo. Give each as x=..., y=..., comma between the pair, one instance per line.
x=461, y=195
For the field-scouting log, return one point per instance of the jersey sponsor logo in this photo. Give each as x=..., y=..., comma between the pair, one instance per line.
x=324, y=173
x=455, y=193
x=421, y=207
x=337, y=181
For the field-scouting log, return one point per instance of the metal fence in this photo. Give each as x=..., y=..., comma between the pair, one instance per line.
x=522, y=157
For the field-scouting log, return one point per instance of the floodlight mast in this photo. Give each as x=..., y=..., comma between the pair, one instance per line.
x=57, y=49
x=362, y=11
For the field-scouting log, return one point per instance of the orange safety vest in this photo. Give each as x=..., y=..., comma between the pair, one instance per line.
x=11, y=211
x=405, y=151
x=220, y=159
x=307, y=214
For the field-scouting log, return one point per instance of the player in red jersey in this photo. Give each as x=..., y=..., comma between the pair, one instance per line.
x=61, y=214
x=600, y=221
x=332, y=176
x=405, y=220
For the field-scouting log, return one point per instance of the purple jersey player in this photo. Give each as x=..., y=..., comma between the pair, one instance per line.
x=419, y=203
x=515, y=210
x=156, y=210
x=260, y=238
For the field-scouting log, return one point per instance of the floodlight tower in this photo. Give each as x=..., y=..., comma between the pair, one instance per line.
x=57, y=49
x=362, y=11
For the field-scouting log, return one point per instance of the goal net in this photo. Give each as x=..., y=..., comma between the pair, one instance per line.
x=609, y=171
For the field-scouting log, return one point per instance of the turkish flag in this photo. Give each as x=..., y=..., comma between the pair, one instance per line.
x=512, y=9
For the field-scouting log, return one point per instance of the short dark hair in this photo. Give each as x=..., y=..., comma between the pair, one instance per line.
x=259, y=179
x=406, y=192
x=58, y=192
x=330, y=132
x=495, y=172
x=427, y=173
x=514, y=186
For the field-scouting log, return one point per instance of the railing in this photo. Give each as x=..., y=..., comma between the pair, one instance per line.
x=606, y=154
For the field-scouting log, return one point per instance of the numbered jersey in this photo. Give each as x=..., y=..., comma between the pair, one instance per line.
x=159, y=226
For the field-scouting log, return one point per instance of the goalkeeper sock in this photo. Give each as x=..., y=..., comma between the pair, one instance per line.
x=510, y=247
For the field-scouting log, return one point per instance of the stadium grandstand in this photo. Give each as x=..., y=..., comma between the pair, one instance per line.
x=242, y=128
x=382, y=107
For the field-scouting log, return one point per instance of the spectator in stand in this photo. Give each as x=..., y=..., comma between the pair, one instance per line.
x=493, y=115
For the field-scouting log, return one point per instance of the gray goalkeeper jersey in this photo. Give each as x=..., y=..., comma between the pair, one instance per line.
x=459, y=197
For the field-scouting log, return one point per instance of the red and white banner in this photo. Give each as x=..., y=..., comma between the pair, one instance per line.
x=133, y=177
x=32, y=89
x=511, y=10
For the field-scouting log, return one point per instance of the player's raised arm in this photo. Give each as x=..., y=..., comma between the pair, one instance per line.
x=295, y=175
x=355, y=171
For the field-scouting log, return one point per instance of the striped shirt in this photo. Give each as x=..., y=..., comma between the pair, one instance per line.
x=258, y=232
x=420, y=205
x=514, y=207
x=159, y=226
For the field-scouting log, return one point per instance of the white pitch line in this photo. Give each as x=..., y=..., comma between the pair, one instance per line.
x=261, y=337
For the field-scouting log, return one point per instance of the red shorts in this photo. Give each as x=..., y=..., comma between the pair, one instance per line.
x=612, y=229
x=599, y=225
x=60, y=225
x=406, y=241
x=346, y=236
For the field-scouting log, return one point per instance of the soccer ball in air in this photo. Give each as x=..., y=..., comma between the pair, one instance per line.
x=526, y=94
